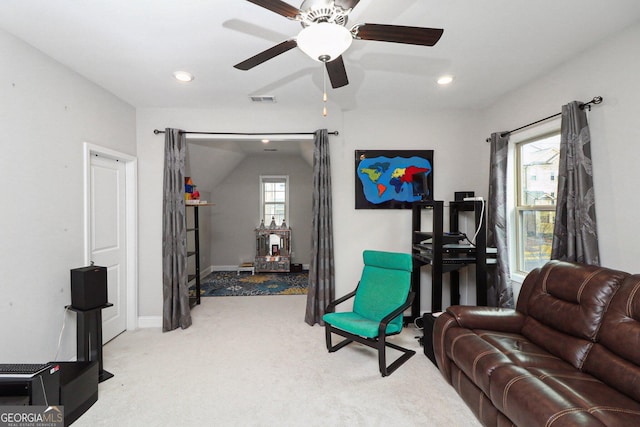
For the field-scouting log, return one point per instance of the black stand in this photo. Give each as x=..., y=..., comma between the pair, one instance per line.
x=89, y=337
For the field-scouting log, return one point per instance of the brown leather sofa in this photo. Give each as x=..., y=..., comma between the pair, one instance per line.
x=568, y=355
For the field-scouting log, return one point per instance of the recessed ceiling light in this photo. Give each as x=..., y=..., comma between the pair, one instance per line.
x=445, y=80
x=183, y=76
x=265, y=141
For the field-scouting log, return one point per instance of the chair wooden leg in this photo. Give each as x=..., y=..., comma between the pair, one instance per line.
x=406, y=355
x=330, y=346
x=379, y=344
x=382, y=356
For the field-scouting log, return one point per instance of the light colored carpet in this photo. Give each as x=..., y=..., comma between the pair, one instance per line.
x=254, y=362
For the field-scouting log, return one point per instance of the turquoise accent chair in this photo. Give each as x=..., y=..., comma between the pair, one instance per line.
x=381, y=297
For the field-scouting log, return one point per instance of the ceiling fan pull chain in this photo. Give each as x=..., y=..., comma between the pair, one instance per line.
x=324, y=86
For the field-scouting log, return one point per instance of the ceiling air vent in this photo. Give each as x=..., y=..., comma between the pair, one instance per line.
x=268, y=99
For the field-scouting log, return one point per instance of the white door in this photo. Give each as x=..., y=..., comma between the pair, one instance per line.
x=107, y=230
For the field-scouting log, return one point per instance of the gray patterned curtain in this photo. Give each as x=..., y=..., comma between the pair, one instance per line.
x=575, y=236
x=321, y=268
x=175, y=289
x=499, y=290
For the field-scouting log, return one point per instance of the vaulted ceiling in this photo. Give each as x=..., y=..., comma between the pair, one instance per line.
x=132, y=47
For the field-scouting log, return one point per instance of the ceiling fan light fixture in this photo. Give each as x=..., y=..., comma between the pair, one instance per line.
x=324, y=41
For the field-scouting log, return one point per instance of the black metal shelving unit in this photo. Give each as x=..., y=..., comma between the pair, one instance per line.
x=484, y=257
x=444, y=253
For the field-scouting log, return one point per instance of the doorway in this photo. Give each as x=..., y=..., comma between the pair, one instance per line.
x=110, y=230
x=228, y=173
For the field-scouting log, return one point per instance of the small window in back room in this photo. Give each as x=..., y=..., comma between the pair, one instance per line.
x=537, y=161
x=274, y=191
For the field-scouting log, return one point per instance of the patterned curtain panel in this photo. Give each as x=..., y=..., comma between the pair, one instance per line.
x=575, y=236
x=175, y=289
x=321, y=268
x=500, y=291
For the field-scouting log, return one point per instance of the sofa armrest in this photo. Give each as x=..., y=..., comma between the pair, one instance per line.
x=469, y=317
x=490, y=318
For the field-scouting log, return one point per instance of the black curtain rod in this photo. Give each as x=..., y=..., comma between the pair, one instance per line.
x=335, y=132
x=595, y=100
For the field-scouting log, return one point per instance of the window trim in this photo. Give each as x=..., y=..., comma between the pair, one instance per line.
x=548, y=128
x=273, y=178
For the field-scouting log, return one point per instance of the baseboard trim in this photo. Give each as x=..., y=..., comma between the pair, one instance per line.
x=149, y=321
x=223, y=268
x=203, y=273
x=213, y=268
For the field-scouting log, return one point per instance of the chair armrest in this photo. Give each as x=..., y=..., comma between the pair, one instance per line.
x=332, y=305
x=382, y=328
x=490, y=318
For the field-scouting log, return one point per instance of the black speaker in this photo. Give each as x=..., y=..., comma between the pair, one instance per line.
x=88, y=287
x=428, y=320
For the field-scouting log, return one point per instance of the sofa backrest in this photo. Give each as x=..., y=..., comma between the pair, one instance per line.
x=564, y=307
x=615, y=359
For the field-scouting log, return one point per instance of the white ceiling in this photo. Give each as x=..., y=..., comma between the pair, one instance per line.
x=132, y=47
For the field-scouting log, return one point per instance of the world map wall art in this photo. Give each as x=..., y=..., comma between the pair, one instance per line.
x=393, y=179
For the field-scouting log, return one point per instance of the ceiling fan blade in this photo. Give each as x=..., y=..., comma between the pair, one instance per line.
x=279, y=7
x=337, y=73
x=398, y=34
x=266, y=55
x=347, y=4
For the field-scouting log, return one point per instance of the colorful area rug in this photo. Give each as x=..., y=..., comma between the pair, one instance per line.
x=229, y=283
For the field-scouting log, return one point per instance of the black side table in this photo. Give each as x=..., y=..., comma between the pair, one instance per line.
x=89, y=337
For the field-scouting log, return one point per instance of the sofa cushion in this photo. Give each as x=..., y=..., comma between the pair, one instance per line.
x=615, y=360
x=529, y=402
x=475, y=398
x=477, y=353
x=566, y=305
x=523, y=352
x=563, y=396
x=473, y=355
x=603, y=402
x=566, y=347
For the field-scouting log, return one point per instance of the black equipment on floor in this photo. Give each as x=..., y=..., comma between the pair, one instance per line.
x=29, y=384
x=78, y=388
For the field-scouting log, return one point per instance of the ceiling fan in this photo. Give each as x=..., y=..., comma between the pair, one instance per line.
x=325, y=37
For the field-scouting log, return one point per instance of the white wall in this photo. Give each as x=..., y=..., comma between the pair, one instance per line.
x=46, y=113
x=610, y=70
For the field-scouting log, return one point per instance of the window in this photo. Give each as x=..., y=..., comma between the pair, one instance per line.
x=536, y=163
x=274, y=192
